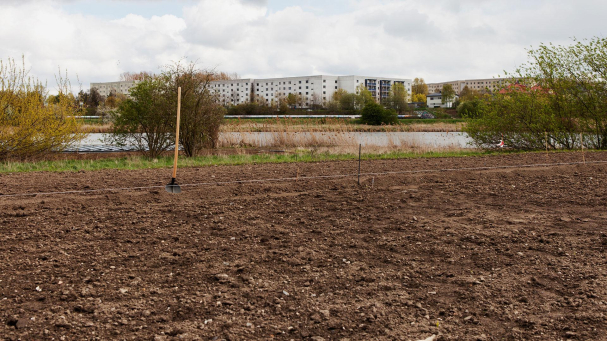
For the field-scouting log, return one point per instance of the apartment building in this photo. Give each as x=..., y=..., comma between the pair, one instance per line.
x=105, y=89
x=490, y=84
x=435, y=100
x=311, y=90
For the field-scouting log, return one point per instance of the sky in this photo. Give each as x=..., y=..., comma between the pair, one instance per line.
x=439, y=40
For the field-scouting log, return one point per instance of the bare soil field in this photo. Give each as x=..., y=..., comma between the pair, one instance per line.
x=479, y=254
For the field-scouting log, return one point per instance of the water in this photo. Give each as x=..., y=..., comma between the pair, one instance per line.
x=95, y=142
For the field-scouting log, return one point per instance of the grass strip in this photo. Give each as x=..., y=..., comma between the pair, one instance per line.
x=139, y=162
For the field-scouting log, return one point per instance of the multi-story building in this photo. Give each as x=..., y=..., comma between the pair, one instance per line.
x=488, y=84
x=105, y=89
x=310, y=90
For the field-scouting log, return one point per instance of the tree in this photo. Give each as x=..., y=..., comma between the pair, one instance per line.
x=292, y=100
x=418, y=98
x=31, y=123
x=471, y=108
x=337, y=95
x=146, y=120
x=397, y=99
x=375, y=114
x=136, y=76
x=419, y=86
x=348, y=102
x=448, y=95
x=201, y=115
x=468, y=94
x=364, y=96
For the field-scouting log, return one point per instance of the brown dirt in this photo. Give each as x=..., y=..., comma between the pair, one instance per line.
x=502, y=254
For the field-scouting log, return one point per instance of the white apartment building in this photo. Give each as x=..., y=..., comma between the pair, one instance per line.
x=435, y=100
x=105, y=89
x=490, y=84
x=312, y=90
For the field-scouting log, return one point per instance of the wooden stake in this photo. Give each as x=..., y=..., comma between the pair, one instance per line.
x=582, y=143
x=177, y=133
x=546, y=138
x=360, y=148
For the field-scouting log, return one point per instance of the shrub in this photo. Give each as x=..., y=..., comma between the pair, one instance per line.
x=146, y=120
x=560, y=93
x=375, y=114
x=471, y=109
x=32, y=123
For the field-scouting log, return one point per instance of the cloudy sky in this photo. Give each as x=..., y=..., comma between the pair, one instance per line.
x=438, y=40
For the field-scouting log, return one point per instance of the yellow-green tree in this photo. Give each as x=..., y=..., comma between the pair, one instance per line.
x=418, y=98
x=31, y=123
x=419, y=86
x=398, y=98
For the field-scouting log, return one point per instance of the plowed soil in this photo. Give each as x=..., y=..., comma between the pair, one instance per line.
x=514, y=253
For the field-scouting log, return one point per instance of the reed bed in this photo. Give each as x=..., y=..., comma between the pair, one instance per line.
x=335, y=125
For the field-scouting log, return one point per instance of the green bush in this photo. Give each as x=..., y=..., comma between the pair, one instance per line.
x=471, y=109
x=375, y=114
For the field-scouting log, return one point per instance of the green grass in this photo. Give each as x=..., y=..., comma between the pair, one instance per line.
x=138, y=162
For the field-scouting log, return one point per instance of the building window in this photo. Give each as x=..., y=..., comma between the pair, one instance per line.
x=324, y=86
x=324, y=93
x=306, y=82
x=335, y=89
x=306, y=94
x=299, y=82
x=306, y=87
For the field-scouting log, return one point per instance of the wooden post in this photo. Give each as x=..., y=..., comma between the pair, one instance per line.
x=582, y=143
x=359, y=155
x=177, y=133
x=546, y=138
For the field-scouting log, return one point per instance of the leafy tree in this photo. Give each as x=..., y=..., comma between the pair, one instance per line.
x=398, y=98
x=468, y=94
x=348, y=102
x=292, y=100
x=418, y=98
x=32, y=123
x=364, y=96
x=201, y=115
x=471, y=108
x=448, y=94
x=146, y=120
x=375, y=114
x=337, y=95
x=419, y=86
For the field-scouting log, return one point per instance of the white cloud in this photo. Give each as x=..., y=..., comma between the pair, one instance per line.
x=438, y=40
